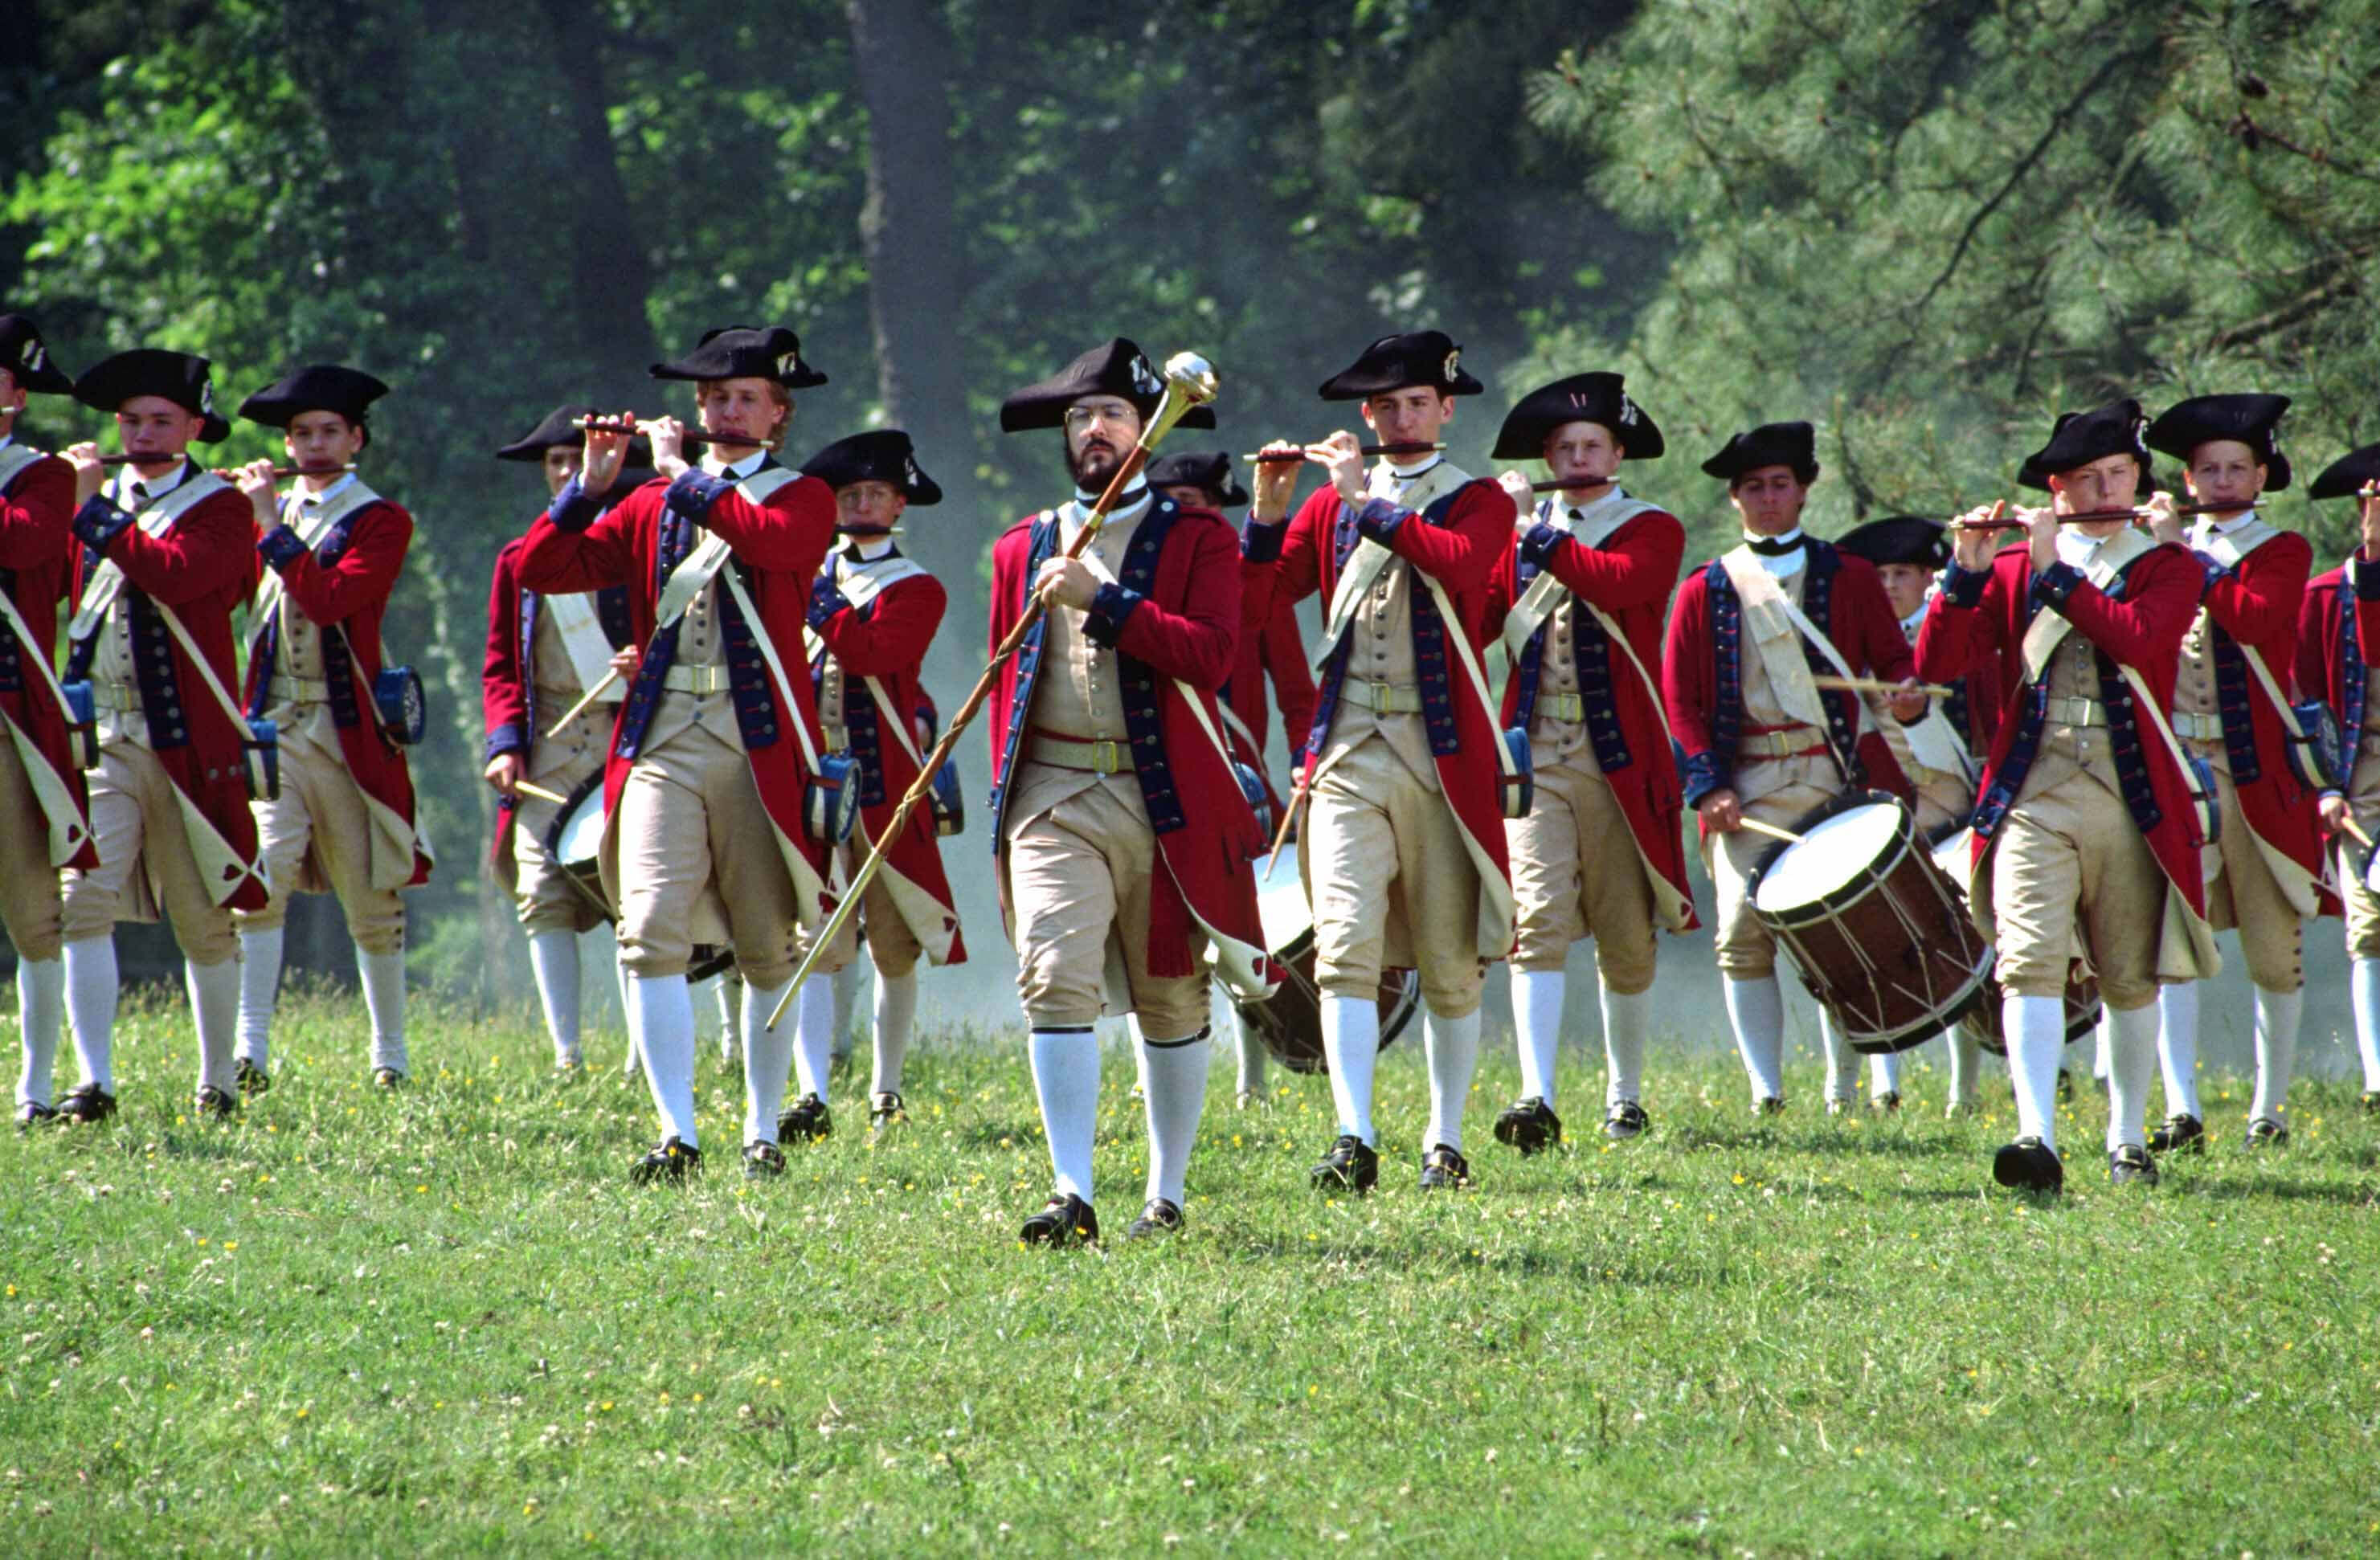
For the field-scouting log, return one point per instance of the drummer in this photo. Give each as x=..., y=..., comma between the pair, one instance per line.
x=2338, y=637
x=1936, y=752
x=1756, y=739
x=2085, y=832
x=1587, y=563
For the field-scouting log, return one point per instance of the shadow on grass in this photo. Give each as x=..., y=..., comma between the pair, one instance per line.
x=2345, y=1195
x=1878, y=1142
x=1525, y=1262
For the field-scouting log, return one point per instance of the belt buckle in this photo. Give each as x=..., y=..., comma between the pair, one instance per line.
x=1105, y=759
x=1384, y=698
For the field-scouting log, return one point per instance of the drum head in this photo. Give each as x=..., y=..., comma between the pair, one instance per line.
x=576, y=836
x=1282, y=907
x=1836, y=851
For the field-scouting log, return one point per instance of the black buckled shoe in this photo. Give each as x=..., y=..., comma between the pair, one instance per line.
x=219, y=1104
x=388, y=1079
x=1530, y=1125
x=1160, y=1217
x=31, y=1115
x=1886, y=1102
x=1350, y=1166
x=1443, y=1168
x=763, y=1161
x=1626, y=1119
x=2265, y=1132
x=1768, y=1105
x=250, y=1078
x=2129, y=1164
x=807, y=1122
x=672, y=1161
x=2182, y=1133
x=1064, y=1220
x=885, y=1111
x=86, y=1105
x=2029, y=1164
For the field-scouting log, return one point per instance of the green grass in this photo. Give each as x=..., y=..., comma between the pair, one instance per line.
x=443, y=1322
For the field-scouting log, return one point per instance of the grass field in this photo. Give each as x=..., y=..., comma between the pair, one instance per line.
x=442, y=1321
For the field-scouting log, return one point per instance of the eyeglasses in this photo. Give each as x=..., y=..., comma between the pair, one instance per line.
x=1080, y=417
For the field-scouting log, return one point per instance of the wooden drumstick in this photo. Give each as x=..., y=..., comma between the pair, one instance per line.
x=1770, y=829
x=590, y=696
x=1878, y=685
x=1281, y=835
x=2355, y=830
x=526, y=789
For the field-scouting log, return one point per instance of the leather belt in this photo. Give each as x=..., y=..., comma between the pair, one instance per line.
x=699, y=679
x=1562, y=706
x=118, y=698
x=299, y=690
x=1382, y=699
x=1792, y=743
x=1068, y=753
x=2063, y=712
x=2198, y=727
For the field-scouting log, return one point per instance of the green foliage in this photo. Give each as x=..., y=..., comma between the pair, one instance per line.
x=443, y=1322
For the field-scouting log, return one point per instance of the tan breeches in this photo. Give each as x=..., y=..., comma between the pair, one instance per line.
x=321, y=808
x=2070, y=863
x=2242, y=894
x=1577, y=874
x=1745, y=950
x=690, y=814
x=1393, y=883
x=137, y=820
x=892, y=947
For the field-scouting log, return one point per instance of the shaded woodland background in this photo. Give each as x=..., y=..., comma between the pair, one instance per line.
x=1926, y=227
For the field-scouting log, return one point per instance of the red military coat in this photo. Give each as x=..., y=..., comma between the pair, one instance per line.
x=778, y=546
x=343, y=583
x=1702, y=668
x=203, y=566
x=1172, y=617
x=1628, y=576
x=2257, y=604
x=1458, y=541
x=1274, y=649
x=886, y=639
x=36, y=537
x=1978, y=624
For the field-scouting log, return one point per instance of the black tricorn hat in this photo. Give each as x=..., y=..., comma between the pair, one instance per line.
x=2079, y=438
x=319, y=387
x=1596, y=397
x=1772, y=443
x=1207, y=469
x=179, y=377
x=1899, y=539
x=2346, y=477
x=881, y=455
x=23, y=354
x=560, y=428
x=2254, y=421
x=1429, y=358
x=1114, y=368
x=739, y=352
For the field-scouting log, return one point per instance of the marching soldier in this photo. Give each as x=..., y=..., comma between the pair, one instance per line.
x=544, y=652
x=872, y=613
x=2264, y=867
x=343, y=821
x=2339, y=635
x=168, y=552
x=1273, y=650
x=713, y=762
x=1578, y=601
x=1755, y=737
x=2087, y=827
x=1122, y=836
x=1935, y=752
x=1407, y=778
x=44, y=817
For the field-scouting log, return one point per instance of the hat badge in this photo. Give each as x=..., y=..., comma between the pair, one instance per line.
x=909, y=470
x=1453, y=365
x=206, y=397
x=2141, y=436
x=1144, y=378
x=786, y=363
x=34, y=354
x=1627, y=411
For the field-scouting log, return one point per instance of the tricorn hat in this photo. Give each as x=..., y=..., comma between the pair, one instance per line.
x=179, y=377
x=1772, y=443
x=1596, y=397
x=1429, y=358
x=1114, y=368
x=1899, y=539
x=320, y=387
x=739, y=352
x=560, y=428
x=2254, y=421
x=2079, y=438
x=1207, y=469
x=2346, y=477
x=881, y=455
x=23, y=354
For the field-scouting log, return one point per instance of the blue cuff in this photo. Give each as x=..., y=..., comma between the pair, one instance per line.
x=695, y=491
x=510, y=737
x=2055, y=584
x=1964, y=587
x=1378, y=519
x=2366, y=576
x=826, y=600
x=572, y=509
x=1109, y=608
x=1700, y=773
x=1538, y=545
x=2212, y=569
x=1260, y=543
x=281, y=547
x=99, y=522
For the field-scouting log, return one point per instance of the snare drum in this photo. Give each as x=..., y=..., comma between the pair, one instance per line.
x=1953, y=854
x=1880, y=936
x=1290, y=1021
x=575, y=840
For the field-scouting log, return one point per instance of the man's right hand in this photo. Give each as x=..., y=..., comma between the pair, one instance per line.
x=89, y=473
x=607, y=450
x=1721, y=814
x=2334, y=814
x=1971, y=543
x=504, y=774
x=1276, y=481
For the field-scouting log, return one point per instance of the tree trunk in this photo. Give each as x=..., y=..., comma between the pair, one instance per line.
x=612, y=276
